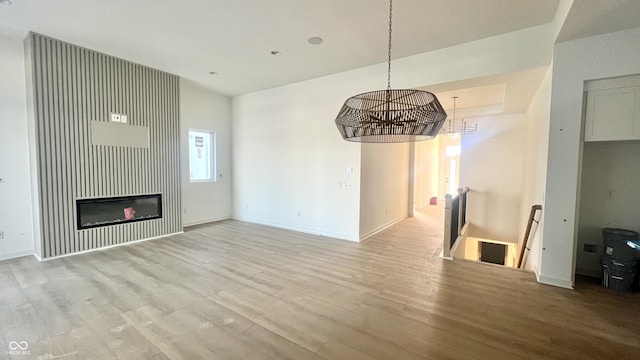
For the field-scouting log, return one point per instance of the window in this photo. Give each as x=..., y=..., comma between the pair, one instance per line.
x=202, y=155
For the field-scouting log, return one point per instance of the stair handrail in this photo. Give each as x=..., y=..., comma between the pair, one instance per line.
x=527, y=233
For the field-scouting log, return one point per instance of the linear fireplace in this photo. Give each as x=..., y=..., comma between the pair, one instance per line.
x=93, y=213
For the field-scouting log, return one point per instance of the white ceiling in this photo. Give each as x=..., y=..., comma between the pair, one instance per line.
x=594, y=17
x=508, y=93
x=190, y=38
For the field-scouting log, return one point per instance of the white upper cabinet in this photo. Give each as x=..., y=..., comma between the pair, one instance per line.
x=613, y=109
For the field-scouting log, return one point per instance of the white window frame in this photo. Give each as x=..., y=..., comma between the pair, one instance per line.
x=211, y=153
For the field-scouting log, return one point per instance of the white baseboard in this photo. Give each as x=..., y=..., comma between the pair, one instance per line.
x=547, y=280
x=533, y=269
x=301, y=229
x=206, y=221
x=382, y=227
x=16, y=254
x=107, y=247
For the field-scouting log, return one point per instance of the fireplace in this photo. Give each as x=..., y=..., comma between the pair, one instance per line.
x=108, y=211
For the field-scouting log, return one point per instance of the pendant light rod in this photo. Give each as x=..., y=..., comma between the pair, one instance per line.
x=454, y=107
x=389, y=53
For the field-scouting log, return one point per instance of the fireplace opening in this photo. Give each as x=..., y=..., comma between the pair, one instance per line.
x=98, y=212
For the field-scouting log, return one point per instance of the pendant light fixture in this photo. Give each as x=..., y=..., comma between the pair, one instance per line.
x=391, y=115
x=454, y=129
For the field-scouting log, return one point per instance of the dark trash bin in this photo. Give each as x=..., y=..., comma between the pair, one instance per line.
x=635, y=245
x=616, y=245
x=617, y=275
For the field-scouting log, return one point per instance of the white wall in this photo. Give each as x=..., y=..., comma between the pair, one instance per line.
x=535, y=169
x=15, y=190
x=384, y=186
x=609, y=196
x=426, y=170
x=491, y=165
x=511, y=52
x=603, y=56
x=290, y=164
x=288, y=157
x=202, y=109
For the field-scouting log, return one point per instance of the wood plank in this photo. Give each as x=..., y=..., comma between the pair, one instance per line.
x=335, y=350
x=275, y=345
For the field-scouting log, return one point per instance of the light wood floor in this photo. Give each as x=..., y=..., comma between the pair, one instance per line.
x=233, y=290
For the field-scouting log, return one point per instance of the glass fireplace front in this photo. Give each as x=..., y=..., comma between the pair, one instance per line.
x=98, y=212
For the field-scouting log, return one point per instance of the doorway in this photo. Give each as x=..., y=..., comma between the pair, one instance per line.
x=436, y=171
x=493, y=253
x=449, y=166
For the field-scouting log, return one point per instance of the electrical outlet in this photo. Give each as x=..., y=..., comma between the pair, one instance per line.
x=1, y=235
x=590, y=248
x=123, y=118
x=115, y=117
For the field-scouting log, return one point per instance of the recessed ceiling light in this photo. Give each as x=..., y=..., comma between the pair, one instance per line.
x=275, y=52
x=315, y=40
x=213, y=73
x=5, y=2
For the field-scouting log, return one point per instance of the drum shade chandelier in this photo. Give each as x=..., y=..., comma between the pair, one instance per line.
x=391, y=115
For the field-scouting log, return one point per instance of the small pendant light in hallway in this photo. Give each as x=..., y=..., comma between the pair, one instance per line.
x=452, y=129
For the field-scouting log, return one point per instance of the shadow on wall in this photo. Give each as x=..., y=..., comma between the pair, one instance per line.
x=492, y=215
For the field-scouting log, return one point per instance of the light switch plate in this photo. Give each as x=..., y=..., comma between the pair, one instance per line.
x=115, y=117
x=123, y=118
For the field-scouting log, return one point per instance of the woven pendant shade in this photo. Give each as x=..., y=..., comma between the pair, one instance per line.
x=391, y=116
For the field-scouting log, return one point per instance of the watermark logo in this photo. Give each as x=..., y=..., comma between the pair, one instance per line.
x=19, y=348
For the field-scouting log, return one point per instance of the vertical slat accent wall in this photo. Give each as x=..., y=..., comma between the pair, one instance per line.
x=72, y=86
